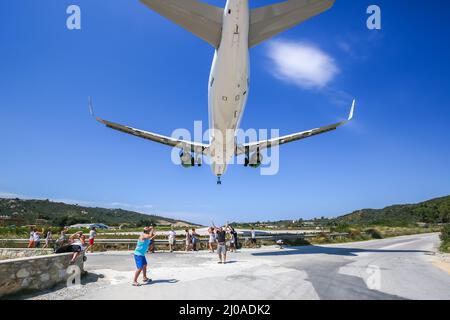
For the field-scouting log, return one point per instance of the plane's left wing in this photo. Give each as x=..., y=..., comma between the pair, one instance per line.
x=196, y=147
x=261, y=145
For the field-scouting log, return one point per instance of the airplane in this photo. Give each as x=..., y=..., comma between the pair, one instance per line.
x=232, y=31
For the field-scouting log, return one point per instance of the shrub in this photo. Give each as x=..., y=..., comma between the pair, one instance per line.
x=445, y=237
x=374, y=233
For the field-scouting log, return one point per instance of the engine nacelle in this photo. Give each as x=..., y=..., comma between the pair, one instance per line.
x=187, y=159
x=255, y=160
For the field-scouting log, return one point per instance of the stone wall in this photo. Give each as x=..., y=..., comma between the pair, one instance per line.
x=14, y=253
x=35, y=273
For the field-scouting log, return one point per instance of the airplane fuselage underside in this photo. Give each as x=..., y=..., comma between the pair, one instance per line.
x=228, y=84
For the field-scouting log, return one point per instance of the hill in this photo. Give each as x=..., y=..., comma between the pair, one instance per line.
x=62, y=214
x=432, y=211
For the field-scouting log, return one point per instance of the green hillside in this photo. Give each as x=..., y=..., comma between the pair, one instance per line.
x=62, y=214
x=432, y=211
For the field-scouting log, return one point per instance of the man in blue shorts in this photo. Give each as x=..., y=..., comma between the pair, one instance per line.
x=139, y=255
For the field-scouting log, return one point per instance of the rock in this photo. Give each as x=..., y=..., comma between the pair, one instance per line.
x=22, y=273
x=26, y=283
x=45, y=277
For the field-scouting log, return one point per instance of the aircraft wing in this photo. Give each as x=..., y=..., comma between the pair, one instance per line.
x=196, y=147
x=260, y=145
x=202, y=19
x=268, y=21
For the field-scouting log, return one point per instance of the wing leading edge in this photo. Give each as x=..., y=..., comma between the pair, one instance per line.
x=196, y=147
x=260, y=145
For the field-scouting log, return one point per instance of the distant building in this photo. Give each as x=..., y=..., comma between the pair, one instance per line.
x=100, y=226
x=13, y=220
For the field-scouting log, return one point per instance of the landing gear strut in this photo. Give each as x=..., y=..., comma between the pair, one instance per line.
x=219, y=182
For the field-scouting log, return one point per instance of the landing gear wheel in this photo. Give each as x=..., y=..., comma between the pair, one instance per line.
x=219, y=182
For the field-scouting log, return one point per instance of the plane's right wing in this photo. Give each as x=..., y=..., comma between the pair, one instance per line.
x=266, y=144
x=268, y=21
x=202, y=19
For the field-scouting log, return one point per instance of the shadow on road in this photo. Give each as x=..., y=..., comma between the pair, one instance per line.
x=330, y=250
x=161, y=281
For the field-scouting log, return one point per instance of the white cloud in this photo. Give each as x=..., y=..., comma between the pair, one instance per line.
x=302, y=63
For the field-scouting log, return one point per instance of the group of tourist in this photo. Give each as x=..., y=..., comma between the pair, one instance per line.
x=34, y=240
x=221, y=238
x=192, y=239
x=75, y=243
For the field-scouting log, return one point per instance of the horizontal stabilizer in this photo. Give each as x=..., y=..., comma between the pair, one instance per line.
x=202, y=19
x=268, y=21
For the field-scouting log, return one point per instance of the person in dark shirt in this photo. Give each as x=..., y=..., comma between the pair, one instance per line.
x=221, y=246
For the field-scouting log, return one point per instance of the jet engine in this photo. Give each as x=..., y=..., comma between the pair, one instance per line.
x=254, y=161
x=187, y=159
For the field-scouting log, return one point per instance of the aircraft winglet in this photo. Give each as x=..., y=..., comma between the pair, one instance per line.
x=91, y=108
x=352, y=110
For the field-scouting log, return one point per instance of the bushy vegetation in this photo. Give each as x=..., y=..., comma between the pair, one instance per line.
x=62, y=214
x=432, y=212
x=445, y=237
x=374, y=233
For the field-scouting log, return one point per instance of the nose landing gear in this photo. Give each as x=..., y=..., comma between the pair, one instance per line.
x=219, y=182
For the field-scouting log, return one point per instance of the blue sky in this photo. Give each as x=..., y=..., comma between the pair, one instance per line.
x=146, y=72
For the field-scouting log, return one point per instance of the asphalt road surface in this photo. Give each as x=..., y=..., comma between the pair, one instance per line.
x=396, y=268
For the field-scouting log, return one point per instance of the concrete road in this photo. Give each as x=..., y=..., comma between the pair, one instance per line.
x=396, y=268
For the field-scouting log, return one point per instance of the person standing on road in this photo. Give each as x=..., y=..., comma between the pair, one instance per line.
x=221, y=245
x=253, y=236
x=212, y=239
x=142, y=246
x=234, y=234
x=230, y=238
x=152, y=241
x=171, y=237
x=194, y=239
x=92, y=236
x=187, y=240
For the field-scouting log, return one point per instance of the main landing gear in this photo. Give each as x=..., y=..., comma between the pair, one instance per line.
x=219, y=182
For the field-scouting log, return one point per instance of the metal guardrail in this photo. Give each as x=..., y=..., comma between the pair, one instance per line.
x=203, y=240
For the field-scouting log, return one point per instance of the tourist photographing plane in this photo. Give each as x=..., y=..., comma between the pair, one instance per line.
x=232, y=31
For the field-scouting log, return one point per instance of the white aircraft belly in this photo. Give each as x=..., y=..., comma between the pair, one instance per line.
x=229, y=90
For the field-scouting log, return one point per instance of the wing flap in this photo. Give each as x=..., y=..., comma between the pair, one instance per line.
x=268, y=21
x=182, y=144
x=202, y=19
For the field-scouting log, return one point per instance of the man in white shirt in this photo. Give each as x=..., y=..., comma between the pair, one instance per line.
x=253, y=236
x=37, y=239
x=171, y=237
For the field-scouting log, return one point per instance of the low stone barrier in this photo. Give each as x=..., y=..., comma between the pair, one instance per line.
x=14, y=253
x=36, y=272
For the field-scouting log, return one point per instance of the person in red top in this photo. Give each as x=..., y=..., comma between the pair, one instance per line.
x=92, y=235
